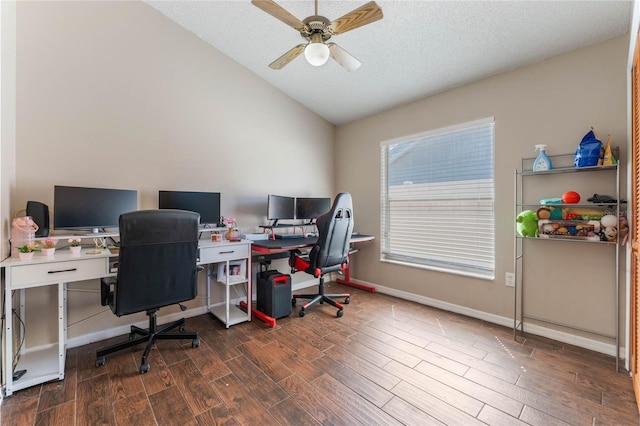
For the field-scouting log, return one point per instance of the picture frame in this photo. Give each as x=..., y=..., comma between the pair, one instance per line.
x=237, y=268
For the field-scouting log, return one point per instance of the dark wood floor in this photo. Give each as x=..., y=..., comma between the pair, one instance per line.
x=387, y=361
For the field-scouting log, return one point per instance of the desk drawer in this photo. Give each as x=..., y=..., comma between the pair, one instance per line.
x=57, y=272
x=220, y=254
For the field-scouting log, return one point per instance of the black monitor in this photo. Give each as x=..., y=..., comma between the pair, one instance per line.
x=76, y=207
x=310, y=208
x=280, y=207
x=207, y=204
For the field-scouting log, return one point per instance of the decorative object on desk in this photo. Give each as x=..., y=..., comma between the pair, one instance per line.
x=216, y=238
x=26, y=256
x=229, y=234
x=48, y=247
x=75, y=246
x=23, y=231
x=237, y=271
x=26, y=251
x=232, y=234
x=100, y=244
x=229, y=222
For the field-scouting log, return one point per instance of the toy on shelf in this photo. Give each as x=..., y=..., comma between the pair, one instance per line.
x=527, y=223
x=570, y=197
x=569, y=229
x=610, y=230
x=549, y=213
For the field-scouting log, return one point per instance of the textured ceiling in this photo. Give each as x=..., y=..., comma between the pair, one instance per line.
x=418, y=49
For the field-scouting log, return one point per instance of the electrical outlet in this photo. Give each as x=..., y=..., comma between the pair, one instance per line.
x=509, y=279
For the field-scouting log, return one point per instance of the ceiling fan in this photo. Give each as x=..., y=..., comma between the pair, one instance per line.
x=317, y=30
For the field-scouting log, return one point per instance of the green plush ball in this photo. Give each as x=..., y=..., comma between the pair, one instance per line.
x=527, y=223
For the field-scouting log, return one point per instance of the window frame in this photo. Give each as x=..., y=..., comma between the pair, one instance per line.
x=488, y=269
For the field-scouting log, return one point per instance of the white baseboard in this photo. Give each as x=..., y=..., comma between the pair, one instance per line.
x=583, y=342
x=164, y=319
x=85, y=339
x=561, y=336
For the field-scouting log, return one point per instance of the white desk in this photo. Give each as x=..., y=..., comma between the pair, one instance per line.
x=47, y=362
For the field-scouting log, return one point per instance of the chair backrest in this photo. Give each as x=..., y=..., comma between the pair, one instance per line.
x=157, y=259
x=331, y=251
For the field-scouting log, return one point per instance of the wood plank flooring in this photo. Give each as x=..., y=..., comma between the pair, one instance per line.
x=386, y=362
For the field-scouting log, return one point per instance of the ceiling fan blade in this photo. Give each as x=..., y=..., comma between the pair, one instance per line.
x=287, y=57
x=363, y=15
x=344, y=58
x=278, y=12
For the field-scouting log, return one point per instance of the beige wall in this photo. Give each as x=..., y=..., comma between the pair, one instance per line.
x=113, y=94
x=553, y=102
x=116, y=95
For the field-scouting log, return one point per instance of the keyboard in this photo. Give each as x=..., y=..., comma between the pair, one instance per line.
x=288, y=236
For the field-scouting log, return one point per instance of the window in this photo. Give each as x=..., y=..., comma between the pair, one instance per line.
x=437, y=196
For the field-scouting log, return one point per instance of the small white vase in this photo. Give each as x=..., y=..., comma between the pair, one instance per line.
x=26, y=256
x=48, y=252
x=75, y=250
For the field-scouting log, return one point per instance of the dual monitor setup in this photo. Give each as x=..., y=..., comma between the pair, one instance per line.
x=289, y=208
x=81, y=208
x=96, y=209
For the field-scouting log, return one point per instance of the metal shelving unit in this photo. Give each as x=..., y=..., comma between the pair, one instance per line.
x=565, y=162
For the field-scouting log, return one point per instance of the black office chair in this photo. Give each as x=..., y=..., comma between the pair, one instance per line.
x=156, y=268
x=329, y=254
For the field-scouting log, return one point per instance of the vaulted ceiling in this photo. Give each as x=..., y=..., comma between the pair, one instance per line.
x=419, y=48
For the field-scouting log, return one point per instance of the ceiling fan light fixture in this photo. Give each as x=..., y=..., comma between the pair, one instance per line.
x=316, y=52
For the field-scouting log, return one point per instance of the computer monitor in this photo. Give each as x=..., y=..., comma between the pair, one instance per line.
x=76, y=207
x=207, y=204
x=310, y=208
x=281, y=207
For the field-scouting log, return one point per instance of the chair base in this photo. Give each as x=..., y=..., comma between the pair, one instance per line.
x=320, y=298
x=138, y=336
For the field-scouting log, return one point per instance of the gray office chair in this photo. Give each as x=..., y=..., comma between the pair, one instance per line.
x=329, y=254
x=156, y=268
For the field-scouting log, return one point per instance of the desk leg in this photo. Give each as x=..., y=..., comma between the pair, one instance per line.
x=347, y=280
x=7, y=365
x=62, y=328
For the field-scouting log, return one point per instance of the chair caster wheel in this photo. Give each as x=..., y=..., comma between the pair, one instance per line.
x=347, y=300
x=195, y=343
x=144, y=368
x=100, y=361
x=339, y=313
x=293, y=302
x=181, y=329
x=301, y=313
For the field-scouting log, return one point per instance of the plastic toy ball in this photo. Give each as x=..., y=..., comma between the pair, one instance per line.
x=570, y=197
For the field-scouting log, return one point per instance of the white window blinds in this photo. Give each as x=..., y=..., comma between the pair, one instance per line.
x=437, y=195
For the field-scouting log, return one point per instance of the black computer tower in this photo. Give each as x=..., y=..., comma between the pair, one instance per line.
x=274, y=294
